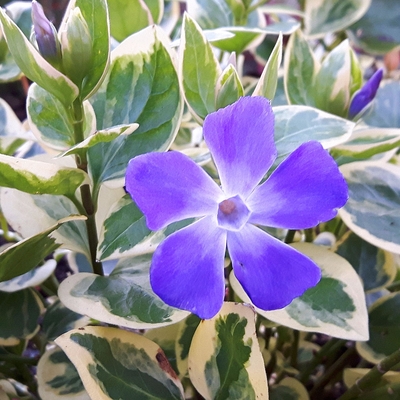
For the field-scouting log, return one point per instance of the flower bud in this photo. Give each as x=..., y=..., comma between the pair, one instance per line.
x=363, y=97
x=76, y=47
x=45, y=34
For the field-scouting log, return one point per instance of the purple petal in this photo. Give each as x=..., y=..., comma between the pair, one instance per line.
x=187, y=270
x=45, y=33
x=271, y=272
x=170, y=187
x=366, y=94
x=307, y=188
x=241, y=140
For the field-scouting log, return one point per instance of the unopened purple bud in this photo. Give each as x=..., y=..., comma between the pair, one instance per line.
x=366, y=94
x=45, y=32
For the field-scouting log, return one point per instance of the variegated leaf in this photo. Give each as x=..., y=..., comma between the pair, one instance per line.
x=32, y=278
x=229, y=87
x=34, y=66
x=25, y=255
x=368, y=143
x=123, y=298
x=59, y=319
x=30, y=214
x=377, y=268
x=295, y=125
x=21, y=310
x=142, y=80
x=114, y=364
x=327, y=16
x=335, y=307
x=225, y=361
x=57, y=377
x=51, y=123
x=331, y=89
x=301, y=68
x=384, y=329
x=372, y=211
x=268, y=81
x=198, y=69
x=37, y=177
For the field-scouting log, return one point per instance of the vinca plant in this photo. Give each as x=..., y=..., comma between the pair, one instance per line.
x=201, y=201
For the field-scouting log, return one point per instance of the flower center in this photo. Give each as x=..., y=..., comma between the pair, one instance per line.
x=232, y=213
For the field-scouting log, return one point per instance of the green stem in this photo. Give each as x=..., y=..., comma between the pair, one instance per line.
x=338, y=228
x=50, y=285
x=370, y=379
x=86, y=196
x=290, y=236
x=13, y=358
x=336, y=367
x=382, y=392
x=294, y=349
x=329, y=347
x=394, y=287
x=9, y=236
x=309, y=235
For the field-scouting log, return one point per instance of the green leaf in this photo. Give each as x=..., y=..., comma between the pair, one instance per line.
x=116, y=364
x=378, y=31
x=295, y=125
x=327, y=16
x=356, y=73
x=382, y=114
x=125, y=233
x=186, y=330
x=384, y=329
x=335, y=306
x=289, y=389
x=331, y=89
x=372, y=211
x=268, y=82
x=29, y=215
x=103, y=136
x=124, y=228
x=37, y=177
x=368, y=143
x=225, y=361
x=199, y=69
x=300, y=70
x=28, y=253
x=21, y=310
x=165, y=337
x=34, y=66
x=59, y=319
x=31, y=278
x=376, y=267
x=12, y=132
x=250, y=36
x=95, y=13
x=57, y=377
x=9, y=70
x=123, y=298
x=210, y=14
x=51, y=123
x=128, y=17
x=142, y=81
x=229, y=87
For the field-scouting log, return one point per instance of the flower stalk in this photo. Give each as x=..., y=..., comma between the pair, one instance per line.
x=86, y=195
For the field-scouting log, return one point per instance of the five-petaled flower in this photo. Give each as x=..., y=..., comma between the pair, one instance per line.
x=187, y=269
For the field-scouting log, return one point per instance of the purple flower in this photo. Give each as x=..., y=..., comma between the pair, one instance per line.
x=187, y=269
x=45, y=33
x=366, y=94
